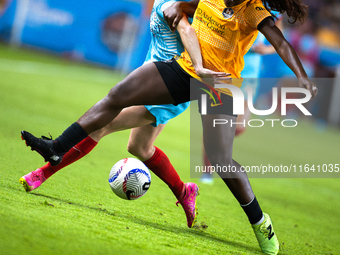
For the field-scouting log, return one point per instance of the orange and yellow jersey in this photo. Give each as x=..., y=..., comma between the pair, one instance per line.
x=225, y=34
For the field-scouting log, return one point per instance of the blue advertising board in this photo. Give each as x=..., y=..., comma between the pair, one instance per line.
x=7, y=13
x=110, y=32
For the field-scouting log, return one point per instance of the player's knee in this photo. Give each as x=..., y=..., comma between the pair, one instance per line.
x=116, y=97
x=217, y=159
x=114, y=100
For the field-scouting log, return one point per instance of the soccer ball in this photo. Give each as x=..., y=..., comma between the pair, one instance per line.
x=129, y=178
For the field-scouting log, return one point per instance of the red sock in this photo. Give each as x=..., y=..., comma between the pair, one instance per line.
x=160, y=165
x=74, y=154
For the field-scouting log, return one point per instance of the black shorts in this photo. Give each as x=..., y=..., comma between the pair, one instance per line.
x=176, y=80
x=184, y=88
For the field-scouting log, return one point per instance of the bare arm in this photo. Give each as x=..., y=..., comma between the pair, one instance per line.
x=191, y=44
x=174, y=13
x=288, y=54
x=263, y=49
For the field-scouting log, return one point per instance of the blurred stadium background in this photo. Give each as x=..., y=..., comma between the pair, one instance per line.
x=77, y=204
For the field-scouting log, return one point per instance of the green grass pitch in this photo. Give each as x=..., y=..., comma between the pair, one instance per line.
x=75, y=212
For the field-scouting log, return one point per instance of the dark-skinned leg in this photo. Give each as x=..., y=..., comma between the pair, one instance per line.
x=218, y=144
x=144, y=86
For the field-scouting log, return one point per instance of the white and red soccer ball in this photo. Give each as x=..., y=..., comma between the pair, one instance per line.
x=130, y=178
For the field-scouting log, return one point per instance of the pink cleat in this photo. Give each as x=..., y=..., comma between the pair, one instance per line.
x=189, y=202
x=32, y=180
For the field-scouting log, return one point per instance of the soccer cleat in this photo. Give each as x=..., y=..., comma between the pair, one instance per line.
x=189, y=202
x=266, y=236
x=32, y=180
x=44, y=146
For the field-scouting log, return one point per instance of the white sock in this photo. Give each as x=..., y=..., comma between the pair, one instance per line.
x=260, y=221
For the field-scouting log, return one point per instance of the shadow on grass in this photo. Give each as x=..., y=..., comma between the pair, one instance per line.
x=75, y=204
x=155, y=225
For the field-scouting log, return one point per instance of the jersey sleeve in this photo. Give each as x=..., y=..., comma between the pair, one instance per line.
x=255, y=14
x=161, y=7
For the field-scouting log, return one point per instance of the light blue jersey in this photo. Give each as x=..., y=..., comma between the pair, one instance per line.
x=164, y=45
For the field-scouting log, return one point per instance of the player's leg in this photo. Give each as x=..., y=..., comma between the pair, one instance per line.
x=242, y=120
x=145, y=85
x=141, y=145
x=218, y=142
x=141, y=141
x=128, y=118
x=241, y=125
